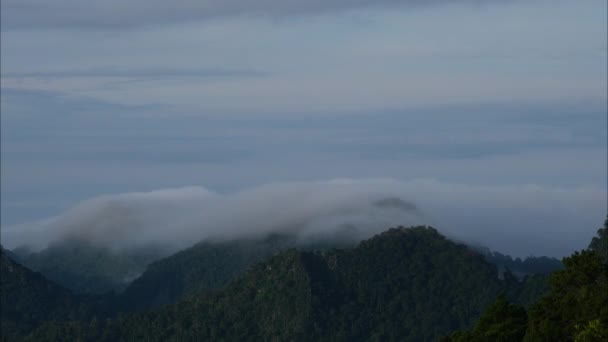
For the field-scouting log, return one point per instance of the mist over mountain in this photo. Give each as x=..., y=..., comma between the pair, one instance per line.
x=406, y=284
x=86, y=268
x=413, y=275
x=338, y=170
x=520, y=221
x=28, y=298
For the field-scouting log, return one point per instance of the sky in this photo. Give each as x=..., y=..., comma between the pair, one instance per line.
x=481, y=99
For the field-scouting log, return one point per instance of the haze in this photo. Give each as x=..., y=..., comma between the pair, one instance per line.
x=134, y=122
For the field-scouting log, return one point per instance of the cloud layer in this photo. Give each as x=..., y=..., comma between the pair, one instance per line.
x=133, y=13
x=518, y=220
x=122, y=96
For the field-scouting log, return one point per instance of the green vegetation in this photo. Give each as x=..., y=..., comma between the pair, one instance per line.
x=87, y=269
x=406, y=284
x=501, y=322
x=599, y=244
x=578, y=303
x=575, y=309
x=205, y=266
x=27, y=299
x=521, y=268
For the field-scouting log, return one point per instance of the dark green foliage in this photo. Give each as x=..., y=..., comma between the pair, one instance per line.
x=209, y=265
x=27, y=299
x=205, y=266
x=411, y=284
x=575, y=309
x=578, y=298
x=84, y=268
x=533, y=288
x=501, y=322
x=405, y=284
x=599, y=244
x=577, y=306
x=521, y=268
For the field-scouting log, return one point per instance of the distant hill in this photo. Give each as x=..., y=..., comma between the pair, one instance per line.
x=213, y=264
x=205, y=266
x=575, y=309
x=27, y=299
x=519, y=267
x=88, y=269
x=210, y=265
x=405, y=284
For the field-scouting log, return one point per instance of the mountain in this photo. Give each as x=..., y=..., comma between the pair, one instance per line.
x=210, y=265
x=205, y=266
x=521, y=268
x=575, y=308
x=88, y=269
x=27, y=299
x=405, y=284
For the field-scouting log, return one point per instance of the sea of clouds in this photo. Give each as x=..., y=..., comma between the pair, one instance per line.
x=520, y=220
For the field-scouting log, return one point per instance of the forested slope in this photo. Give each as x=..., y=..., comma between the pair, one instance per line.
x=407, y=284
x=575, y=309
x=28, y=299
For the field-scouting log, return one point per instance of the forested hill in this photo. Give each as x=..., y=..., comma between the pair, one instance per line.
x=210, y=265
x=27, y=299
x=575, y=309
x=88, y=269
x=213, y=264
x=405, y=284
x=519, y=267
x=205, y=266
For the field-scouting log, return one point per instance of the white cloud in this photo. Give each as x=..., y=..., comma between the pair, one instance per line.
x=109, y=109
x=520, y=220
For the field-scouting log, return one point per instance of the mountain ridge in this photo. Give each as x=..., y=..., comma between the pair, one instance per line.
x=410, y=284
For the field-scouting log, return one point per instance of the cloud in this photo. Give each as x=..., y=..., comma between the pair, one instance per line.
x=519, y=220
x=134, y=13
x=179, y=217
x=113, y=79
x=367, y=61
x=138, y=73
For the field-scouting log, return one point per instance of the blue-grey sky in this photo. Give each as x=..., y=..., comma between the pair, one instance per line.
x=104, y=97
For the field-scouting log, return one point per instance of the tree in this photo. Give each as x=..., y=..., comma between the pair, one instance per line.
x=502, y=322
x=599, y=244
x=577, y=306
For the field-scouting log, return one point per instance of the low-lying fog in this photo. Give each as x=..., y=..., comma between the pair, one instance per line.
x=522, y=221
